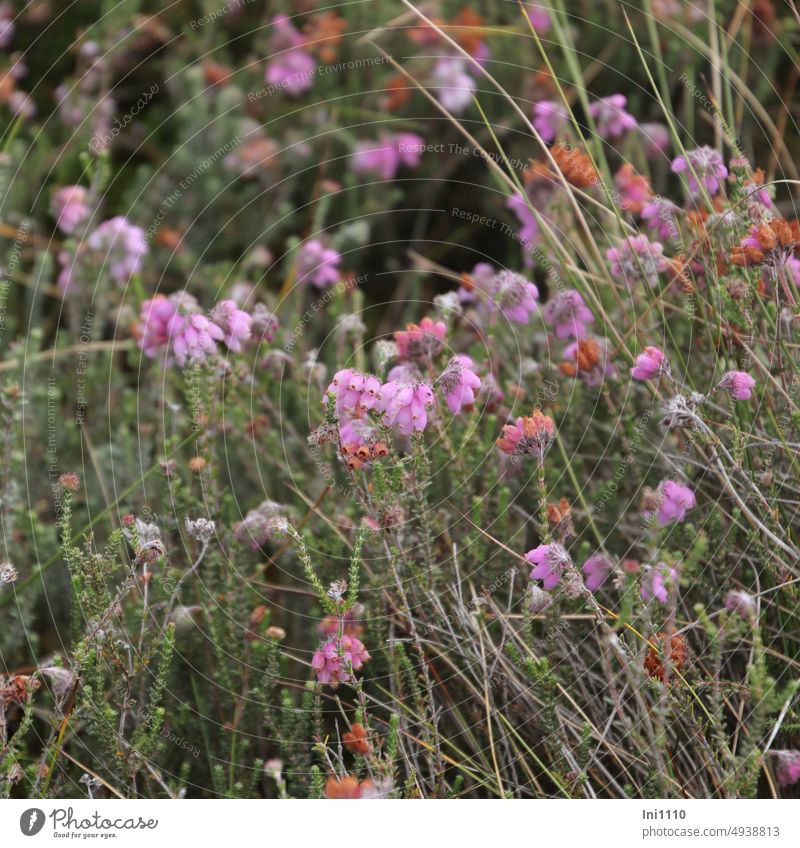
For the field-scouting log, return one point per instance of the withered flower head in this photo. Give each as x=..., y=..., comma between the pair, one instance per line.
x=768, y=244
x=356, y=741
x=655, y=659
x=575, y=165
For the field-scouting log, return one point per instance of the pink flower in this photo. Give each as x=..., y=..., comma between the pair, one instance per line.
x=539, y=17
x=549, y=119
x=458, y=383
x=528, y=226
x=409, y=148
x=420, y=341
x=595, y=571
x=638, y=258
x=194, y=337
x=708, y=166
x=174, y=325
x=355, y=432
x=354, y=392
x=155, y=318
x=741, y=603
x=568, y=314
x=655, y=138
x=657, y=581
x=405, y=405
x=452, y=84
x=376, y=157
x=739, y=383
x=292, y=67
x=384, y=157
x=610, y=116
x=317, y=264
x=549, y=561
x=336, y=660
x=69, y=207
x=235, y=324
x=676, y=501
x=787, y=770
x=662, y=216
x=649, y=364
x=124, y=245
x=513, y=295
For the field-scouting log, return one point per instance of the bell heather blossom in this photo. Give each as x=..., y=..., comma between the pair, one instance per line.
x=549, y=119
x=568, y=314
x=638, y=258
x=549, y=561
x=650, y=364
x=452, y=84
x=662, y=216
x=292, y=67
x=124, y=244
x=595, y=571
x=384, y=157
x=657, y=581
x=335, y=661
x=405, y=406
x=739, y=384
x=458, y=383
x=175, y=326
x=194, y=338
x=420, y=341
x=655, y=138
x=741, y=603
x=787, y=770
x=706, y=163
x=234, y=322
x=675, y=501
x=538, y=16
x=513, y=295
x=354, y=392
x=610, y=116
x=317, y=264
x=263, y=323
x=355, y=433
x=528, y=436
x=156, y=316
x=69, y=207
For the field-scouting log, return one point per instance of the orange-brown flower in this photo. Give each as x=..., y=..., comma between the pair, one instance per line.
x=560, y=518
x=770, y=244
x=16, y=689
x=528, y=435
x=468, y=32
x=656, y=657
x=216, y=74
x=346, y=787
x=575, y=165
x=398, y=92
x=324, y=31
x=356, y=741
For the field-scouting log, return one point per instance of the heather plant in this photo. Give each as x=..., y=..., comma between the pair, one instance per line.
x=399, y=401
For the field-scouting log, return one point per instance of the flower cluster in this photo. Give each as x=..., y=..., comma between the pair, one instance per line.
x=336, y=660
x=385, y=157
x=174, y=327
